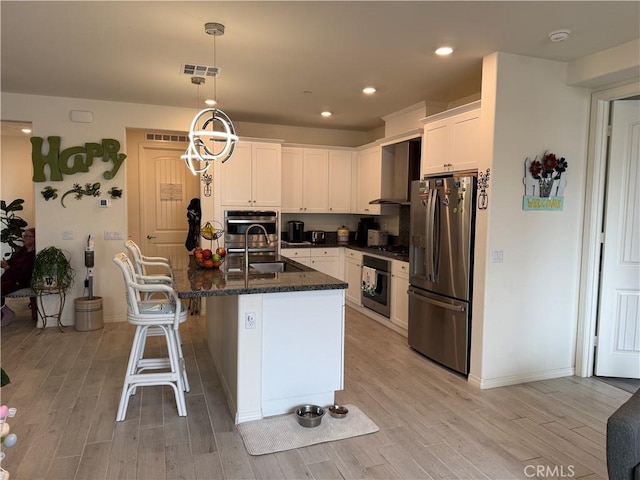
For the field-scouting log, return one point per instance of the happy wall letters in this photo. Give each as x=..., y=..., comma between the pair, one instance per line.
x=73, y=159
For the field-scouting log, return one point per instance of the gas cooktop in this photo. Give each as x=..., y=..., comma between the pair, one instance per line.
x=399, y=249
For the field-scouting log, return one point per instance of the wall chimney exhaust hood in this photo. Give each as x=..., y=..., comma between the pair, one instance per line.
x=406, y=168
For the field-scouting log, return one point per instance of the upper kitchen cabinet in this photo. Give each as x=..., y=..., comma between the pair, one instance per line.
x=450, y=140
x=340, y=190
x=316, y=180
x=252, y=177
x=369, y=180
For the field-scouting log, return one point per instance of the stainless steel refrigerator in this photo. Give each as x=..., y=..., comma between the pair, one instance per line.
x=441, y=268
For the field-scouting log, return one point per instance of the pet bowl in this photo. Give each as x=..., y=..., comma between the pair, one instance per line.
x=338, y=411
x=309, y=415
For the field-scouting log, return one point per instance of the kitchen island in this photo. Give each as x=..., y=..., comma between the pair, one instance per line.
x=276, y=338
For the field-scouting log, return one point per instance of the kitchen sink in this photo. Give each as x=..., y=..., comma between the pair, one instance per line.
x=273, y=267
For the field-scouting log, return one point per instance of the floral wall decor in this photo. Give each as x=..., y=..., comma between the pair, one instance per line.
x=483, y=185
x=544, y=182
x=207, y=179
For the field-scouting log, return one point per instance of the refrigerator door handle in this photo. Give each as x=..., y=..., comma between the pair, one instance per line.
x=431, y=235
x=456, y=308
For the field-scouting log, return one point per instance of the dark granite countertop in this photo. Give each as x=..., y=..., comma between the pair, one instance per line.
x=193, y=281
x=403, y=257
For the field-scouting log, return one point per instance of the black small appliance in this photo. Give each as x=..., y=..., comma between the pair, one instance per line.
x=296, y=231
x=364, y=225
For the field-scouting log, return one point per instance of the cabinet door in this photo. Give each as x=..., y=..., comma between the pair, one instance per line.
x=353, y=276
x=315, y=171
x=235, y=178
x=266, y=175
x=327, y=265
x=291, y=180
x=465, y=141
x=340, y=165
x=369, y=181
x=399, y=295
x=301, y=255
x=436, y=147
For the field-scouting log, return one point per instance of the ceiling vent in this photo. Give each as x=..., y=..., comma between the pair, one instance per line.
x=166, y=137
x=201, y=70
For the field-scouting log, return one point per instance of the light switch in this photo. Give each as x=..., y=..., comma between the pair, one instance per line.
x=498, y=256
x=67, y=234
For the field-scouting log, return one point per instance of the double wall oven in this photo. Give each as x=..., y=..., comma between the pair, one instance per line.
x=236, y=224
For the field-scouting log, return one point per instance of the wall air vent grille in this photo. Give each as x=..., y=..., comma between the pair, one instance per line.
x=167, y=137
x=200, y=70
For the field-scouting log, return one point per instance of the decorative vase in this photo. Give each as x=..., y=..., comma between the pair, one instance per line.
x=545, y=186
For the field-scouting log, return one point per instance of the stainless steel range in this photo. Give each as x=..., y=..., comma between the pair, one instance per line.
x=236, y=223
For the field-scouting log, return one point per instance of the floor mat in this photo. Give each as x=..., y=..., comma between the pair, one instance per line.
x=630, y=385
x=276, y=434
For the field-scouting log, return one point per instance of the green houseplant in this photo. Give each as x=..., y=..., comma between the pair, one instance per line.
x=12, y=225
x=52, y=270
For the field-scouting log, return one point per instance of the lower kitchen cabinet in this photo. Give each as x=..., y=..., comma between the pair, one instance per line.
x=399, y=295
x=300, y=255
x=353, y=275
x=327, y=260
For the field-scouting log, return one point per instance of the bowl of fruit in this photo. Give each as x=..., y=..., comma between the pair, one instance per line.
x=206, y=258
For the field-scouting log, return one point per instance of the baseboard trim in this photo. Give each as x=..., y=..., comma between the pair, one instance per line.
x=486, y=383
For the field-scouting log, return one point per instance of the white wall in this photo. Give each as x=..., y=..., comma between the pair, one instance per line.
x=526, y=315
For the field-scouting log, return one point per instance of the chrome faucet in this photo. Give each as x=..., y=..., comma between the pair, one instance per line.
x=246, y=243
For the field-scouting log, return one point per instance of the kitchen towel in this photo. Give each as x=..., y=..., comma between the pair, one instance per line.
x=369, y=280
x=283, y=432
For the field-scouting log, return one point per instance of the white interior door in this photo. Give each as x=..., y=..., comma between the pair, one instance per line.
x=618, y=351
x=166, y=187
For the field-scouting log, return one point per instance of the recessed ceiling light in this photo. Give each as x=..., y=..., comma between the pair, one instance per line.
x=444, y=51
x=26, y=130
x=210, y=102
x=326, y=113
x=369, y=90
x=560, y=35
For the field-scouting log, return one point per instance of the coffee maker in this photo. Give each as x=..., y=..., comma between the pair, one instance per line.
x=364, y=225
x=296, y=231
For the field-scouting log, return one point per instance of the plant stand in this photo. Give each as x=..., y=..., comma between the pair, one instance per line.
x=57, y=314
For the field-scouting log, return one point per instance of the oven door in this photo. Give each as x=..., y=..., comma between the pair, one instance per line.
x=376, y=285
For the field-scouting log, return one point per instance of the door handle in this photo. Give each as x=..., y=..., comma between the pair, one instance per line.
x=149, y=237
x=437, y=303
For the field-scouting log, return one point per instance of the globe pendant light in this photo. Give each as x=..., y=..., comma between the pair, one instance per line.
x=211, y=134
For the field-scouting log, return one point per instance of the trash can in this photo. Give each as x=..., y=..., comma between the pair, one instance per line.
x=88, y=314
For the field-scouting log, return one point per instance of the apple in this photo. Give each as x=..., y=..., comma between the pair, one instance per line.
x=207, y=254
x=221, y=251
x=216, y=257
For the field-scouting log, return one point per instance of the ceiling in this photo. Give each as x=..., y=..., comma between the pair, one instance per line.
x=285, y=62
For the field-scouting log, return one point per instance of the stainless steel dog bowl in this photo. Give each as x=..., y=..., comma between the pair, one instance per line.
x=338, y=411
x=309, y=415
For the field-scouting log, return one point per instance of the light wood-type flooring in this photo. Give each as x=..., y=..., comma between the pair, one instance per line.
x=433, y=424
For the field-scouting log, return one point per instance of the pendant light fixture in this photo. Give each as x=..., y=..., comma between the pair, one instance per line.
x=211, y=134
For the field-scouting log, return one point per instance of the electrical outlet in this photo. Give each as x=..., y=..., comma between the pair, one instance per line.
x=249, y=320
x=67, y=234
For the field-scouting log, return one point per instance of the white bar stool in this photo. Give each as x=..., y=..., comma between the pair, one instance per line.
x=152, y=317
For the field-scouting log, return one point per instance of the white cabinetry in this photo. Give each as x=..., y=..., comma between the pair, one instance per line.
x=399, y=296
x=451, y=139
x=353, y=275
x=327, y=260
x=369, y=180
x=300, y=255
x=316, y=180
x=251, y=178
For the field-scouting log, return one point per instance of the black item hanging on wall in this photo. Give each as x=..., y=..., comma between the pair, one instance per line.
x=194, y=215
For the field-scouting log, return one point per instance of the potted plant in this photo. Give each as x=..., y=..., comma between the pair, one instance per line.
x=52, y=270
x=12, y=225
